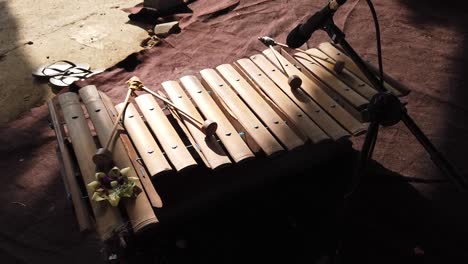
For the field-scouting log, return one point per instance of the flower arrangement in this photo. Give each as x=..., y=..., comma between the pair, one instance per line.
x=113, y=186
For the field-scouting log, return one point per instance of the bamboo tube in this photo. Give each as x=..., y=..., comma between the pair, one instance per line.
x=81, y=210
x=210, y=148
x=298, y=117
x=108, y=218
x=246, y=117
x=142, y=172
x=336, y=54
x=103, y=156
x=234, y=144
x=315, y=90
x=139, y=209
x=207, y=126
x=144, y=142
x=345, y=75
x=309, y=106
x=260, y=107
x=170, y=141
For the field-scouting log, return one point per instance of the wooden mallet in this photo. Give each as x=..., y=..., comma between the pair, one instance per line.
x=206, y=126
x=338, y=67
x=294, y=81
x=103, y=155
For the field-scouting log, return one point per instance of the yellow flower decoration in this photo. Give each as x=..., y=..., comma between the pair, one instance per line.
x=113, y=186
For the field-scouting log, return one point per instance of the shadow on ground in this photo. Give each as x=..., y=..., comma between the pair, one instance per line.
x=389, y=220
x=35, y=213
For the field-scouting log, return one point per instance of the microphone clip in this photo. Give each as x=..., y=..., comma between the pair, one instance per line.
x=333, y=31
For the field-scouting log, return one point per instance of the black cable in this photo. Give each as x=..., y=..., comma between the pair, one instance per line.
x=379, y=46
x=365, y=157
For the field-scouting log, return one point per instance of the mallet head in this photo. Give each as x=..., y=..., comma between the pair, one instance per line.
x=267, y=41
x=209, y=127
x=339, y=66
x=294, y=82
x=102, y=157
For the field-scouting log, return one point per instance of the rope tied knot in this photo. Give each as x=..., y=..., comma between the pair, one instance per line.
x=135, y=84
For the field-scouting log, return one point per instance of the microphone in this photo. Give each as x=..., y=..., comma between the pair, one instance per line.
x=300, y=34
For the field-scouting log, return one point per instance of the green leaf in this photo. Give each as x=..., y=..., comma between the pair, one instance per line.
x=127, y=189
x=93, y=185
x=114, y=184
x=133, y=179
x=97, y=197
x=125, y=171
x=114, y=199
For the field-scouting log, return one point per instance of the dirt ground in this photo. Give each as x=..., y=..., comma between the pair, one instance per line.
x=33, y=33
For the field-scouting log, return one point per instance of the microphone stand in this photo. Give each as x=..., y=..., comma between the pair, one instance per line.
x=386, y=109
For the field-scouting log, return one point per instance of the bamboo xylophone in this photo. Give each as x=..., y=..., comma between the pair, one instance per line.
x=258, y=115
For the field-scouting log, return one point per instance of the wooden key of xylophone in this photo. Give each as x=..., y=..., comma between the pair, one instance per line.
x=236, y=147
x=337, y=54
x=144, y=142
x=345, y=75
x=309, y=106
x=249, y=121
x=336, y=85
x=296, y=116
x=272, y=120
x=322, y=98
x=209, y=147
x=167, y=136
x=340, y=99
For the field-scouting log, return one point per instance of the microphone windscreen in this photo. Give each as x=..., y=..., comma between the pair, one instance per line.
x=295, y=38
